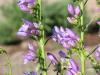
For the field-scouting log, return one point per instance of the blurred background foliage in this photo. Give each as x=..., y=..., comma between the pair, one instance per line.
x=13, y=20
x=53, y=14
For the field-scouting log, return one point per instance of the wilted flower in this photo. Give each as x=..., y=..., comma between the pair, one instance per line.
x=72, y=20
x=74, y=12
x=97, y=53
x=53, y=59
x=66, y=37
x=31, y=55
x=30, y=73
x=26, y=5
x=28, y=29
x=72, y=68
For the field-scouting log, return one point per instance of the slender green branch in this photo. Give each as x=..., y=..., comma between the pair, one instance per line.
x=90, y=22
x=85, y=2
x=92, y=52
x=47, y=41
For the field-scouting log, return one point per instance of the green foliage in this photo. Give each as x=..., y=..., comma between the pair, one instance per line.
x=98, y=2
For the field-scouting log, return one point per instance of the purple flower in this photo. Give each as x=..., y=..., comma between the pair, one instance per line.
x=53, y=59
x=70, y=9
x=28, y=29
x=73, y=10
x=31, y=55
x=62, y=54
x=30, y=73
x=66, y=37
x=72, y=68
x=26, y=5
x=97, y=53
x=77, y=10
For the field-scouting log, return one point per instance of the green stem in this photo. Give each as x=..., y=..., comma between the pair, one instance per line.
x=82, y=39
x=41, y=44
x=62, y=68
x=9, y=65
x=82, y=64
x=42, y=51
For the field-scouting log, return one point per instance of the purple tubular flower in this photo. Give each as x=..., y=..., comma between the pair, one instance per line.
x=62, y=54
x=65, y=37
x=73, y=10
x=31, y=55
x=72, y=68
x=30, y=73
x=69, y=72
x=53, y=59
x=97, y=53
x=77, y=10
x=28, y=29
x=70, y=9
x=26, y=5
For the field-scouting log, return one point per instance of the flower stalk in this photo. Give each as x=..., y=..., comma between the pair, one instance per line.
x=42, y=58
x=82, y=57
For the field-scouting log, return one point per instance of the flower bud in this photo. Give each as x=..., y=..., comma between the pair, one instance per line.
x=52, y=58
x=70, y=9
x=62, y=54
x=77, y=10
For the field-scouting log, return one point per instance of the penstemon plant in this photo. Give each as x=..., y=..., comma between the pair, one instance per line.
x=69, y=39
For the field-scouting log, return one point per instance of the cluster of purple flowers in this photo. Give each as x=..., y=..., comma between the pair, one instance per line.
x=64, y=36
x=74, y=12
x=28, y=29
x=26, y=5
x=71, y=69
